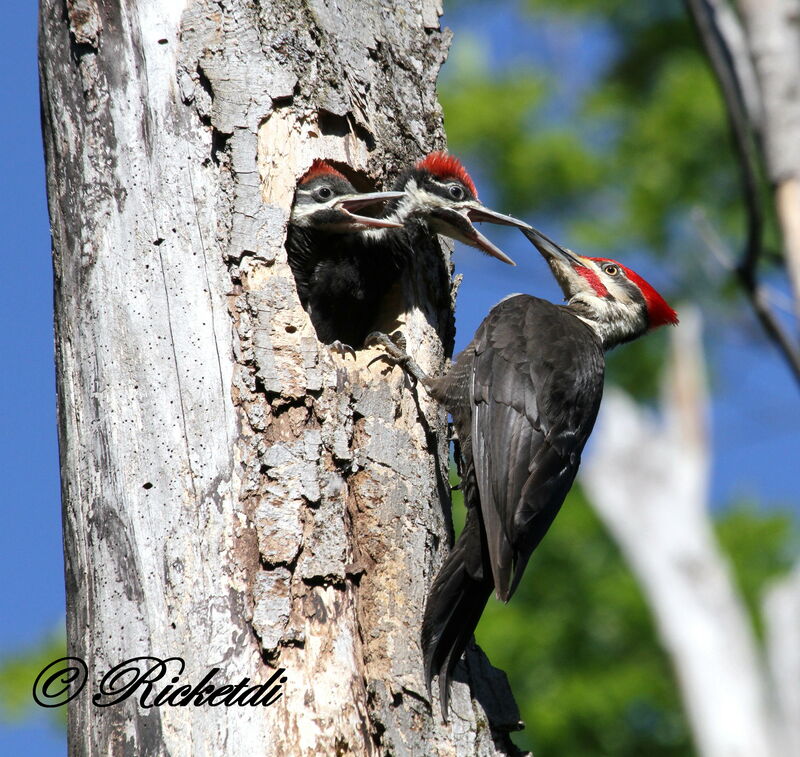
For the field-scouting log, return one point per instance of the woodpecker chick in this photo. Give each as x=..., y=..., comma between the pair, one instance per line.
x=440, y=195
x=345, y=265
x=324, y=199
x=330, y=256
x=524, y=396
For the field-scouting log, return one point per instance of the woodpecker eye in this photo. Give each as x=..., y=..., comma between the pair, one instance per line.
x=456, y=191
x=611, y=270
x=324, y=193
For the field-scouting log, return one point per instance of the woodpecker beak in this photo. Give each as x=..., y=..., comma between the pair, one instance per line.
x=457, y=224
x=565, y=264
x=481, y=214
x=356, y=201
x=550, y=249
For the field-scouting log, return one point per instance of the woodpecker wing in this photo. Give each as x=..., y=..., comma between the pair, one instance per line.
x=537, y=380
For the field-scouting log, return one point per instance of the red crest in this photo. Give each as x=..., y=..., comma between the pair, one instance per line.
x=446, y=166
x=659, y=313
x=319, y=168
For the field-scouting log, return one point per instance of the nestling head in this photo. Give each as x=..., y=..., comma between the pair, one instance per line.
x=324, y=200
x=440, y=193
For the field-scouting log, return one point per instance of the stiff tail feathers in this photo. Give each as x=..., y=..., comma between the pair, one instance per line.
x=454, y=607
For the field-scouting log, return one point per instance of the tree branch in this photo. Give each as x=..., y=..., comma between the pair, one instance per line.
x=725, y=46
x=762, y=298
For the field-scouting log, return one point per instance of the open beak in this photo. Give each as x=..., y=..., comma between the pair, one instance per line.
x=356, y=201
x=459, y=225
x=550, y=249
x=481, y=214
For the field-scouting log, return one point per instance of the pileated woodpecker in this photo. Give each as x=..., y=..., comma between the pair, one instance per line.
x=440, y=197
x=327, y=252
x=524, y=396
x=344, y=265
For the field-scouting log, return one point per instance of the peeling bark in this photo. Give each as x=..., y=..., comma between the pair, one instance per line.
x=233, y=493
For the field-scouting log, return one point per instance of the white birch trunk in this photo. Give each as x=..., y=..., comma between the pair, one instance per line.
x=774, y=47
x=233, y=494
x=648, y=482
x=781, y=609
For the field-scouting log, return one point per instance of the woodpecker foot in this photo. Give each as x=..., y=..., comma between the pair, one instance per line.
x=342, y=349
x=452, y=438
x=395, y=352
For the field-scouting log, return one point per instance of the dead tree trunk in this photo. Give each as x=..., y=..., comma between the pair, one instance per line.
x=234, y=494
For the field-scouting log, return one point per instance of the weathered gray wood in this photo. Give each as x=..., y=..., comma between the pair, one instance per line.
x=234, y=494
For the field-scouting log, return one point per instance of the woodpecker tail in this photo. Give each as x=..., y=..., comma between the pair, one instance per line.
x=455, y=605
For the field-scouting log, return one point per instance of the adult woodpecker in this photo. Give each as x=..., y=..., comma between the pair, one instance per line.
x=524, y=396
x=344, y=265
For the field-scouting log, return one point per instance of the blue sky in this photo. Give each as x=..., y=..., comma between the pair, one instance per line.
x=755, y=414
x=756, y=411
x=32, y=598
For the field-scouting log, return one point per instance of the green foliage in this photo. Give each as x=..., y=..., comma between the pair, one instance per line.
x=619, y=163
x=494, y=115
x=762, y=546
x=578, y=642
x=637, y=367
x=19, y=670
x=579, y=646
x=639, y=147
x=671, y=152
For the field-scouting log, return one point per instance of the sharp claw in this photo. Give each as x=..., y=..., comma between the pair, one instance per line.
x=389, y=344
x=399, y=338
x=395, y=353
x=379, y=339
x=340, y=348
x=373, y=338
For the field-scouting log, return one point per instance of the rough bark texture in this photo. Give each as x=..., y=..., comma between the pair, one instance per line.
x=233, y=493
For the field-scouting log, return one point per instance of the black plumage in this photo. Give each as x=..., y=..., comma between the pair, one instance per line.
x=524, y=397
x=345, y=265
x=342, y=280
x=341, y=270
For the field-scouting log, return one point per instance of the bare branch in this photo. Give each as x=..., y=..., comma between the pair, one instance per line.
x=723, y=41
x=705, y=15
x=763, y=298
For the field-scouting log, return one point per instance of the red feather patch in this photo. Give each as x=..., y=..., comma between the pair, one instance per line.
x=593, y=279
x=447, y=167
x=319, y=168
x=659, y=313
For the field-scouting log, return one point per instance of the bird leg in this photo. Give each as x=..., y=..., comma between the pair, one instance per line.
x=452, y=436
x=342, y=349
x=396, y=354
